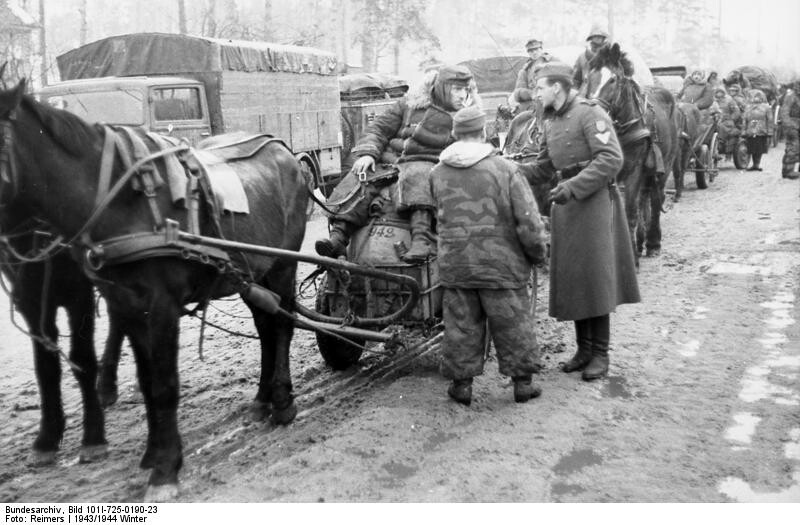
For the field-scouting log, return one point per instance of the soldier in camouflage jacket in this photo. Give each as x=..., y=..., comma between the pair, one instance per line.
x=490, y=235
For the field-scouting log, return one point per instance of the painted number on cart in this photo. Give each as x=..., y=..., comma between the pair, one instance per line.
x=384, y=232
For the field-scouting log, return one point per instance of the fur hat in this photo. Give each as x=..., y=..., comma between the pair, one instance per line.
x=468, y=120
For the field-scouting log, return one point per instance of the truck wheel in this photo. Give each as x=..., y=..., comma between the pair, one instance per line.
x=337, y=354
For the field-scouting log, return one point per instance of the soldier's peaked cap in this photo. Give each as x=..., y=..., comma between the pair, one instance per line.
x=556, y=69
x=597, y=30
x=457, y=74
x=533, y=42
x=468, y=120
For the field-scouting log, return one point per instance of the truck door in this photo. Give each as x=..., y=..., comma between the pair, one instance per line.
x=180, y=111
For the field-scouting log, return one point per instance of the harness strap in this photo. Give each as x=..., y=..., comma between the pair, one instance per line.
x=114, y=191
x=8, y=167
x=106, y=163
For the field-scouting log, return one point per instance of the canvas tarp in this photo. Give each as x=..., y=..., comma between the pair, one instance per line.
x=162, y=53
x=755, y=78
x=495, y=73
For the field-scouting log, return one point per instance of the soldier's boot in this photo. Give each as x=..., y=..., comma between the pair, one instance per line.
x=460, y=390
x=788, y=172
x=525, y=389
x=583, y=336
x=601, y=336
x=422, y=238
x=336, y=245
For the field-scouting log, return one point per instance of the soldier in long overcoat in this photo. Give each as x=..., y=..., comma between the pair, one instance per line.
x=592, y=268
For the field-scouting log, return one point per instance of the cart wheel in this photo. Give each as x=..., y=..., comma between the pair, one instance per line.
x=741, y=156
x=714, y=156
x=705, y=160
x=337, y=354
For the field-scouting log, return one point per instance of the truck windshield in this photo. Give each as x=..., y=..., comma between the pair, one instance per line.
x=110, y=107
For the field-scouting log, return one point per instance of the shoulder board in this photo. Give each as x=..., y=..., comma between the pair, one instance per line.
x=588, y=102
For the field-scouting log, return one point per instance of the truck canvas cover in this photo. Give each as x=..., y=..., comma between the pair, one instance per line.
x=495, y=73
x=163, y=53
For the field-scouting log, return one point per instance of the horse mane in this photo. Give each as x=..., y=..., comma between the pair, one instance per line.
x=612, y=57
x=69, y=131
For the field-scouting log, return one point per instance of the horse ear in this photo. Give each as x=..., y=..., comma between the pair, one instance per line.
x=615, y=52
x=10, y=99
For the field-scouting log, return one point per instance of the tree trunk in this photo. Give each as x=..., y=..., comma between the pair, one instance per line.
x=182, y=29
x=268, y=32
x=210, y=19
x=84, y=22
x=368, y=57
x=42, y=44
x=396, y=56
x=344, y=33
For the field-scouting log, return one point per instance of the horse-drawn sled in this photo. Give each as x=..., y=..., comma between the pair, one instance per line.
x=155, y=235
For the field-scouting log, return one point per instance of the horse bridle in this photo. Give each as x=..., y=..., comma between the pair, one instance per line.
x=611, y=107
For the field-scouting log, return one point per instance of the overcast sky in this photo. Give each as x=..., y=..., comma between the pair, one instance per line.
x=769, y=26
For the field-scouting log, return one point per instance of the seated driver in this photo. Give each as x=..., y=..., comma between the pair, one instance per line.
x=412, y=134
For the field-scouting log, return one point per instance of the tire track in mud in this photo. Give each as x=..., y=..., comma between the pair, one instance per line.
x=322, y=402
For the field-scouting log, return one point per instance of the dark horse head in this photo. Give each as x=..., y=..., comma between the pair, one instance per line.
x=610, y=83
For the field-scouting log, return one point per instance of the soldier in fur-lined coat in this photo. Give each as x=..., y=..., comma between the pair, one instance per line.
x=410, y=134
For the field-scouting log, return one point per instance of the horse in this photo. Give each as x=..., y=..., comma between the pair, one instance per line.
x=689, y=129
x=70, y=179
x=522, y=143
x=38, y=290
x=645, y=126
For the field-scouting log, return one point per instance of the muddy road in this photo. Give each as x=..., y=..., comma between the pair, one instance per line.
x=702, y=403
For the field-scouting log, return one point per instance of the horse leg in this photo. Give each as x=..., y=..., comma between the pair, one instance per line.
x=81, y=321
x=654, y=192
x=107, y=382
x=154, y=339
x=275, y=332
x=48, y=374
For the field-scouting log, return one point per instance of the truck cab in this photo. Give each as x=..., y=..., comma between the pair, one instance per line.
x=167, y=105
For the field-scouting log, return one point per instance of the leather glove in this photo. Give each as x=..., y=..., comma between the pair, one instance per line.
x=560, y=194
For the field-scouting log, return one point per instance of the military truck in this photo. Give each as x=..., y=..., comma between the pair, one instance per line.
x=192, y=87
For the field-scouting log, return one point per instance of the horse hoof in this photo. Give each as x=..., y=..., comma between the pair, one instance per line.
x=42, y=458
x=653, y=253
x=108, y=397
x=260, y=411
x=93, y=453
x=161, y=493
x=284, y=416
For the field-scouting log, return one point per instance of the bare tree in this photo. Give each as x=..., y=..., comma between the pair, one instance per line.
x=42, y=44
x=182, y=26
x=209, y=27
x=268, y=32
x=387, y=24
x=82, y=7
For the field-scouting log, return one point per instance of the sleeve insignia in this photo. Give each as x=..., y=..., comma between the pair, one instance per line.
x=601, y=125
x=603, y=137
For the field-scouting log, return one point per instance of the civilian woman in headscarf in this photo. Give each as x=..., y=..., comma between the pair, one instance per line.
x=758, y=127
